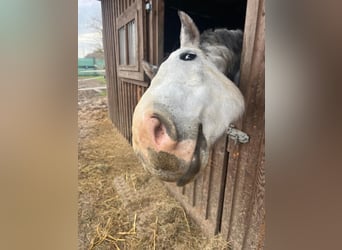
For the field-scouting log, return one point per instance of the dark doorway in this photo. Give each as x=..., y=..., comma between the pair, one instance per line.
x=228, y=14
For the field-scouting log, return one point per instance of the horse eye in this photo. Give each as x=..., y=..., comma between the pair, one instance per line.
x=187, y=56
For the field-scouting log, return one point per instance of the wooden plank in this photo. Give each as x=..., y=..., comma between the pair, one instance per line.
x=244, y=201
x=125, y=4
x=223, y=183
x=135, y=94
x=198, y=193
x=107, y=13
x=229, y=188
x=215, y=188
x=104, y=10
x=113, y=79
x=205, y=190
x=117, y=85
x=154, y=37
x=121, y=109
x=188, y=193
x=130, y=111
x=115, y=9
x=125, y=105
x=117, y=80
x=121, y=7
x=136, y=90
x=255, y=235
x=131, y=75
x=160, y=32
x=128, y=129
x=131, y=108
x=205, y=225
x=141, y=20
x=149, y=35
x=114, y=63
x=128, y=118
x=142, y=91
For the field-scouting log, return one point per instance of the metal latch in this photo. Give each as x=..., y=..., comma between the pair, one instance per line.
x=148, y=6
x=237, y=135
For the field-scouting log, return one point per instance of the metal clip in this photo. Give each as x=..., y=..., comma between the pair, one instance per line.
x=237, y=135
x=148, y=6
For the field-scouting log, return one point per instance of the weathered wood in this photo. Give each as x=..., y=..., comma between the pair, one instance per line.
x=202, y=199
x=120, y=98
x=128, y=103
x=149, y=35
x=205, y=192
x=155, y=32
x=132, y=103
x=188, y=193
x=160, y=31
x=121, y=6
x=108, y=40
x=207, y=226
x=216, y=167
x=198, y=192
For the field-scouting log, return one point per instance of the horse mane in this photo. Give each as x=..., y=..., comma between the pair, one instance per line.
x=223, y=48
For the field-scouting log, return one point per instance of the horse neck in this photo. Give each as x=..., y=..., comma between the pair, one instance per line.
x=223, y=48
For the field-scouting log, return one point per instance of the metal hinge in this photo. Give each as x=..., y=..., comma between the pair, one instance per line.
x=148, y=6
x=237, y=135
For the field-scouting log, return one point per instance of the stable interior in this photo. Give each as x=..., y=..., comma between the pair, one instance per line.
x=228, y=14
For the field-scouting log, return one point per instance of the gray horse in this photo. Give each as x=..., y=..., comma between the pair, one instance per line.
x=189, y=104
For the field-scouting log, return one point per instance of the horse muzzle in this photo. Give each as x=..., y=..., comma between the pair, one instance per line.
x=166, y=152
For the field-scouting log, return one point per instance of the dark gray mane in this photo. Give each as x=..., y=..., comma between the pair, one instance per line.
x=223, y=48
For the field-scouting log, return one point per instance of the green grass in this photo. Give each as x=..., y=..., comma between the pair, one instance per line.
x=102, y=80
x=103, y=93
x=85, y=77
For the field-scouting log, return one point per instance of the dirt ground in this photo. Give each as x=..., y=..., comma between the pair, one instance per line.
x=120, y=205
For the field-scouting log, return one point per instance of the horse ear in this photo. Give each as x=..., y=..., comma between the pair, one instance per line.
x=189, y=35
x=150, y=69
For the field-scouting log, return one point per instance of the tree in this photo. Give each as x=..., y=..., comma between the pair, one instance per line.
x=95, y=25
x=97, y=53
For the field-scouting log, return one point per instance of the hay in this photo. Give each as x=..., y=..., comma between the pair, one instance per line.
x=120, y=205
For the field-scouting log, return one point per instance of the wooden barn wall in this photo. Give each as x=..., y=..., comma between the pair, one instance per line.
x=108, y=44
x=244, y=201
x=123, y=92
x=228, y=198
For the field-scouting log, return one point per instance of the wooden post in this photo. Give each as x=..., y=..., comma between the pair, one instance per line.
x=243, y=218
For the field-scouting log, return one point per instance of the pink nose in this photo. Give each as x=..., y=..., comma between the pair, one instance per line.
x=157, y=133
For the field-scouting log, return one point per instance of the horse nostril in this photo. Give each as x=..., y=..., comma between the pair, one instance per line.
x=158, y=130
x=164, y=126
x=159, y=133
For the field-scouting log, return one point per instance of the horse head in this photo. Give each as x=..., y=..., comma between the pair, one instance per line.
x=187, y=108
